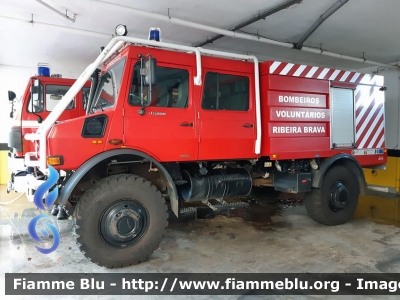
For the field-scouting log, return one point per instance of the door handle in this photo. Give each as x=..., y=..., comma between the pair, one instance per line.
x=187, y=124
x=248, y=125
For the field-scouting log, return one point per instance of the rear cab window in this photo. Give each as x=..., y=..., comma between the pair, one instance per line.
x=225, y=92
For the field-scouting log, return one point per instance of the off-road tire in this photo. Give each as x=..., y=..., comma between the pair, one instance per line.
x=96, y=200
x=317, y=201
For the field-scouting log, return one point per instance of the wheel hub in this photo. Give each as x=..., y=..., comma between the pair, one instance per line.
x=339, y=196
x=124, y=223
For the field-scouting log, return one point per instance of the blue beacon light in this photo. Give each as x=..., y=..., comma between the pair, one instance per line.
x=155, y=34
x=44, y=69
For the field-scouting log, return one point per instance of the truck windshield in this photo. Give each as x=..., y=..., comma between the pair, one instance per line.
x=108, y=87
x=53, y=94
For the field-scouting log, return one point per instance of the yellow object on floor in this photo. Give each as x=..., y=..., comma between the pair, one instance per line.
x=386, y=178
x=4, y=175
x=382, y=210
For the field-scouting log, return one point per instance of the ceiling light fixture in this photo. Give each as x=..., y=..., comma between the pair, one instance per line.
x=121, y=30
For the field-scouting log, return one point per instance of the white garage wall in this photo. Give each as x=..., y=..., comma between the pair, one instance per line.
x=392, y=106
x=16, y=80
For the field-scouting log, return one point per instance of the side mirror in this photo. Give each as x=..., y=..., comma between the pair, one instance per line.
x=36, y=90
x=148, y=78
x=11, y=96
x=37, y=104
x=149, y=72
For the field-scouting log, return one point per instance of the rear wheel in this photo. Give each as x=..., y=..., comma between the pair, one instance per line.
x=120, y=221
x=336, y=201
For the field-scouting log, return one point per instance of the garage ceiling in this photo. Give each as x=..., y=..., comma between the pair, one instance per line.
x=359, y=26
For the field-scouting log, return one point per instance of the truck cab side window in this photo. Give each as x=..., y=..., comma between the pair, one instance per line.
x=171, y=90
x=225, y=92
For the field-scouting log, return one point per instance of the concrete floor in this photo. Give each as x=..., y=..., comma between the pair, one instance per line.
x=270, y=237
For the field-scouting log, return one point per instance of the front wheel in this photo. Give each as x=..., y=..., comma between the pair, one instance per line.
x=336, y=201
x=120, y=221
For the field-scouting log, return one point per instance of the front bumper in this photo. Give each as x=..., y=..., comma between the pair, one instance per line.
x=20, y=181
x=15, y=164
x=23, y=182
x=32, y=185
x=17, y=170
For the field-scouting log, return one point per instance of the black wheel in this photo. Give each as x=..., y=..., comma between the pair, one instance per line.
x=120, y=221
x=336, y=201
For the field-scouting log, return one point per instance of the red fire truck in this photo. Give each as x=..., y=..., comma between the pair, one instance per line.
x=183, y=124
x=28, y=115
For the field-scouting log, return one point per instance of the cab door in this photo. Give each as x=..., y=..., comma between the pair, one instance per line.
x=166, y=130
x=226, y=115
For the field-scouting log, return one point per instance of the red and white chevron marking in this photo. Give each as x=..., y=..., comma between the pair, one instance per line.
x=370, y=131
x=297, y=70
